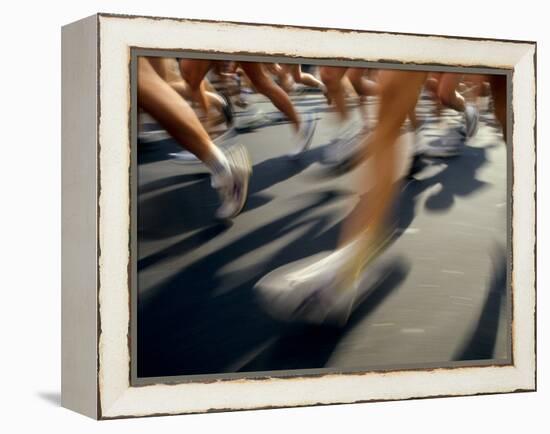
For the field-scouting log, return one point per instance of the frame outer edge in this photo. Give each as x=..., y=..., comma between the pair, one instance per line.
x=112, y=410
x=79, y=217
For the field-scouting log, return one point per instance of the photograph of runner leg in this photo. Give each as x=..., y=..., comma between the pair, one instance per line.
x=306, y=217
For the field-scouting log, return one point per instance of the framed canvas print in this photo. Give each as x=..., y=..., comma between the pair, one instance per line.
x=260, y=216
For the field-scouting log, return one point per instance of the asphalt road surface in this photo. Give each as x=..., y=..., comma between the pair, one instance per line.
x=439, y=293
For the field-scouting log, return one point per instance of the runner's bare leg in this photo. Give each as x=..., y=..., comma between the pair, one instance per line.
x=332, y=76
x=265, y=85
x=399, y=92
x=168, y=108
x=304, y=78
x=362, y=85
x=193, y=71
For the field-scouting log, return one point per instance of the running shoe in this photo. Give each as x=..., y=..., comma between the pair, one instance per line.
x=345, y=141
x=224, y=140
x=240, y=102
x=347, y=148
x=250, y=119
x=227, y=109
x=471, y=116
x=323, y=292
x=145, y=137
x=233, y=189
x=304, y=134
x=448, y=145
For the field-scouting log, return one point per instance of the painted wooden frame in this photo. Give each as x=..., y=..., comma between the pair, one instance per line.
x=96, y=245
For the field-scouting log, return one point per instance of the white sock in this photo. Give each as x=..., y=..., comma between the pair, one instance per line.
x=219, y=167
x=332, y=263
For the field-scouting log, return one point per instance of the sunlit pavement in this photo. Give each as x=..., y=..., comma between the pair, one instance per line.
x=438, y=294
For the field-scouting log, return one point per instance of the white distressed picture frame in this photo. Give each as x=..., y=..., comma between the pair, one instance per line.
x=96, y=216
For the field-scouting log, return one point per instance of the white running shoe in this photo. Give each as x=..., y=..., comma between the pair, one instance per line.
x=471, y=117
x=321, y=293
x=433, y=145
x=304, y=135
x=153, y=136
x=347, y=143
x=233, y=189
x=308, y=294
x=349, y=128
x=224, y=140
x=346, y=150
x=250, y=119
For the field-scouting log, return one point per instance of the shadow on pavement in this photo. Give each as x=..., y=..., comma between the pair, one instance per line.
x=310, y=347
x=201, y=322
x=192, y=324
x=198, y=201
x=184, y=246
x=481, y=343
x=458, y=178
x=170, y=181
x=157, y=151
